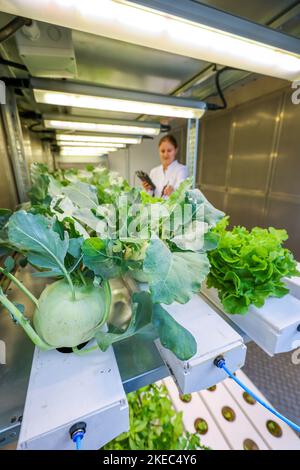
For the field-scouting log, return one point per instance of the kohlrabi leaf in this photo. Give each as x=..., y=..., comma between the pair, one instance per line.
x=39, y=189
x=4, y=216
x=86, y=217
x=206, y=211
x=140, y=321
x=172, y=335
x=173, y=276
x=9, y=263
x=192, y=238
x=34, y=235
x=97, y=258
x=82, y=195
x=75, y=247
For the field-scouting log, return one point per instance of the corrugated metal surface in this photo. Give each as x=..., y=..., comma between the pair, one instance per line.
x=250, y=165
x=8, y=194
x=256, y=10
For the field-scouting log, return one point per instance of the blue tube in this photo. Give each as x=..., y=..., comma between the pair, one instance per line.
x=78, y=442
x=220, y=362
x=77, y=438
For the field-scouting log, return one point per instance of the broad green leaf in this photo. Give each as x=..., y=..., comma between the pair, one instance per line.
x=96, y=258
x=9, y=263
x=172, y=335
x=192, y=238
x=39, y=189
x=35, y=235
x=4, y=216
x=82, y=195
x=75, y=247
x=86, y=217
x=173, y=276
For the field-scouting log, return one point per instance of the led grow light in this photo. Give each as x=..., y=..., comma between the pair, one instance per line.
x=90, y=145
x=72, y=94
x=74, y=123
x=183, y=27
x=108, y=139
x=71, y=151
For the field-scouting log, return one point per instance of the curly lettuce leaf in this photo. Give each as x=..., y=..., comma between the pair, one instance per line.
x=247, y=267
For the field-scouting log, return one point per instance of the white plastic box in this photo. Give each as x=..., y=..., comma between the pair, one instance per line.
x=65, y=389
x=274, y=327
x=213, y=336
x=293, y=284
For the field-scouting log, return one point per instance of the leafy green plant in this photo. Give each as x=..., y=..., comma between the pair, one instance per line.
x=247, y=267
x=71, y=309
x=58, y=235
x=154, y=424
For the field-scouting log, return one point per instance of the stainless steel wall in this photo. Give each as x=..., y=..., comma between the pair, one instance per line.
x=249, y=163
x=8, y=193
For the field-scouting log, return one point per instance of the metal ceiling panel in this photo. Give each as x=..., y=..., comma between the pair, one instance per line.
x=122, y=65
x=256, y=10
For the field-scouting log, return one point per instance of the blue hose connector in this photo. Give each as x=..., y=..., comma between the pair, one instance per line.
x=77, y=432
x=221, y=364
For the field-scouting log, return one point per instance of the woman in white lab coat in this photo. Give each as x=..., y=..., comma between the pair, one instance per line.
x=167, y=176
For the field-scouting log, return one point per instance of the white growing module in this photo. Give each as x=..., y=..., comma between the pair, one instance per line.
x=65, y=389
x=274, y=327
x=213, y=336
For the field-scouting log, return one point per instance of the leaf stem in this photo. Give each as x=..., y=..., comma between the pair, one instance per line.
x=68, y=277
x=82, y=277
x=25, y=324
x=21, y=286
x=82, y=352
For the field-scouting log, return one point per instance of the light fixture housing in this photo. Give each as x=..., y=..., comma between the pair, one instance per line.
x=86, y=124
x=80, y=159
x=105, y=139
x=67, y=93
x=70, y=151
x=184, y=27
x=93, y=145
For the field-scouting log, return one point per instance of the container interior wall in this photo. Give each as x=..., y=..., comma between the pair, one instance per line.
x=145, y=156
x=8, y=191
x=249, y=163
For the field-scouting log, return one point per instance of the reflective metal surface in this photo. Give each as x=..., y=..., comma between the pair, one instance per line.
x=249, y=164
x=138, y=359
x=8, y=193
x=256, y=10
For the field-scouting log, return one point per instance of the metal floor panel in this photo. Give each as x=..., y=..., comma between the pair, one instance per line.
x=277, y=378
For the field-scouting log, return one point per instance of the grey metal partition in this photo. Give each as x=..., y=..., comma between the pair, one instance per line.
x=249, y=163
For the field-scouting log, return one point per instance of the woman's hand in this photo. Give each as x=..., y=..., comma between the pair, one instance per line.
x=168, y=190
x=146, y=186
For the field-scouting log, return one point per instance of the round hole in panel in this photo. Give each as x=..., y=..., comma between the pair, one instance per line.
x=249, y=399
x=186, y=397
x=274, y=428
x=228, y=413
x=248, y=444
x=201, y=425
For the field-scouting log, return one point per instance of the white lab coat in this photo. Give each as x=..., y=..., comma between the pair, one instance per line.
x=173, y=176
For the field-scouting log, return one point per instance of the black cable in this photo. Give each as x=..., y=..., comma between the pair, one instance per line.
x=9, y=63
x=213, y=106
x=12, y=27
x=39, y=123
x=218, y=86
